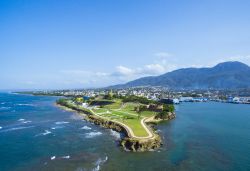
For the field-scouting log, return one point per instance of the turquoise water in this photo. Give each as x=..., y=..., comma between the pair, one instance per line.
x=36, y=135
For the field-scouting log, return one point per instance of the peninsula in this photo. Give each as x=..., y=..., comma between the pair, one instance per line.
x=130, y=115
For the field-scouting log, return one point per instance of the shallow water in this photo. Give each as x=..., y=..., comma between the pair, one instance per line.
x=36, y=135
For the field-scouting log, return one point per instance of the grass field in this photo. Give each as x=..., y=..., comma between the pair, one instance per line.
x=125, y=113
x=115, y=110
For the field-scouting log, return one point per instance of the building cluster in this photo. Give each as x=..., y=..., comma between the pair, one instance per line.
x=162, y=93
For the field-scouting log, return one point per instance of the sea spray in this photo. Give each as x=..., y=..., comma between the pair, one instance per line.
x=100, y=162
x=115, y=134
x=16, y=128
x=61, y=122
x=86, y=128
x=92, y=134
x=44, y=133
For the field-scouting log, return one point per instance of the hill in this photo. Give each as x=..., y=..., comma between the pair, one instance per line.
x=222, y=76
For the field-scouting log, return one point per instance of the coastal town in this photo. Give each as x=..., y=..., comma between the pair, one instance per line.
x=158, y=93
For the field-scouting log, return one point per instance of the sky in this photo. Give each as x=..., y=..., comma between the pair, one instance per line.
x=58, y=44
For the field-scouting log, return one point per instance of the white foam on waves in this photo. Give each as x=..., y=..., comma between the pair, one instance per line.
x=115, y=134
x=100, y=162
x=24, y=104
x=5, y=108
x=57, y=127
x=61, y=122
x=53, y=158
x=65, y=157
x=92, y=134
x=46, y=132
x=17, y=128
x=24, y=121
x=86, y=128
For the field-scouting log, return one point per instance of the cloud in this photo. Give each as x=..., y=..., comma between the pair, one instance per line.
x=121, y=73
x=153, y=69
x=150, y=69
x=156, y=68
x=240, y=58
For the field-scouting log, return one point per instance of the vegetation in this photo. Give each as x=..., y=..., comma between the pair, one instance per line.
x=137, y=99
x=128, y=110
x=164, y=114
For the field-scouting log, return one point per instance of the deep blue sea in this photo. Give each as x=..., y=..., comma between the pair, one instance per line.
x=36, y=135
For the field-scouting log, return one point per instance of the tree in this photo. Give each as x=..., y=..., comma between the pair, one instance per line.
x=139, y=115
x=168, y=108
x=79, y=100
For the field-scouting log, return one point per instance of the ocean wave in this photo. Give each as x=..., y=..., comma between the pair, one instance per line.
x=5, y=108
x=100, y=162
x=57, y=127
x=76, y=117
x=16, y=128
x=24, y=121
x=115, y=134
x=25, y=104
x=44, y=133
x=61, y=122
x=86, y=128
x=1, y=127
x=3, y=102
x=53, y=158
x=65, y=157
x=92, y=134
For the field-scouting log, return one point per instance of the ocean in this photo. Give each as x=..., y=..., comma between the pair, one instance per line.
x=36, y=135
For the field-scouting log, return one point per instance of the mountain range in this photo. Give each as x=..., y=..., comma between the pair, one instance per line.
x=226, y=75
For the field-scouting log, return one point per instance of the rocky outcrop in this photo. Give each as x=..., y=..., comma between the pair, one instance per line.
x=164, y=117
x=128, y=143
x=141, y=145
x=106, y=123
x=171, y=116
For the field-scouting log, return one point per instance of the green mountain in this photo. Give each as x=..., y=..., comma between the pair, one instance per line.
x=222, y=76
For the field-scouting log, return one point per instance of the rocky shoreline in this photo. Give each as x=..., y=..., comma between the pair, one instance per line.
x=128, y=143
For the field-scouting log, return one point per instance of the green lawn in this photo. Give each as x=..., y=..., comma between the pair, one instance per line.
x=116, y=105
x=130, y=120
x=100, y=110
x=135, y=125
x=124, y=113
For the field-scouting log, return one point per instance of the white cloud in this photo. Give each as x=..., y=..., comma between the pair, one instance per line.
x=154, y=69
x=240, y=58
x=121, y=73
x=122, y=70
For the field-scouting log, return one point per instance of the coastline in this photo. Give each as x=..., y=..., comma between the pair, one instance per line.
x=130, y=142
